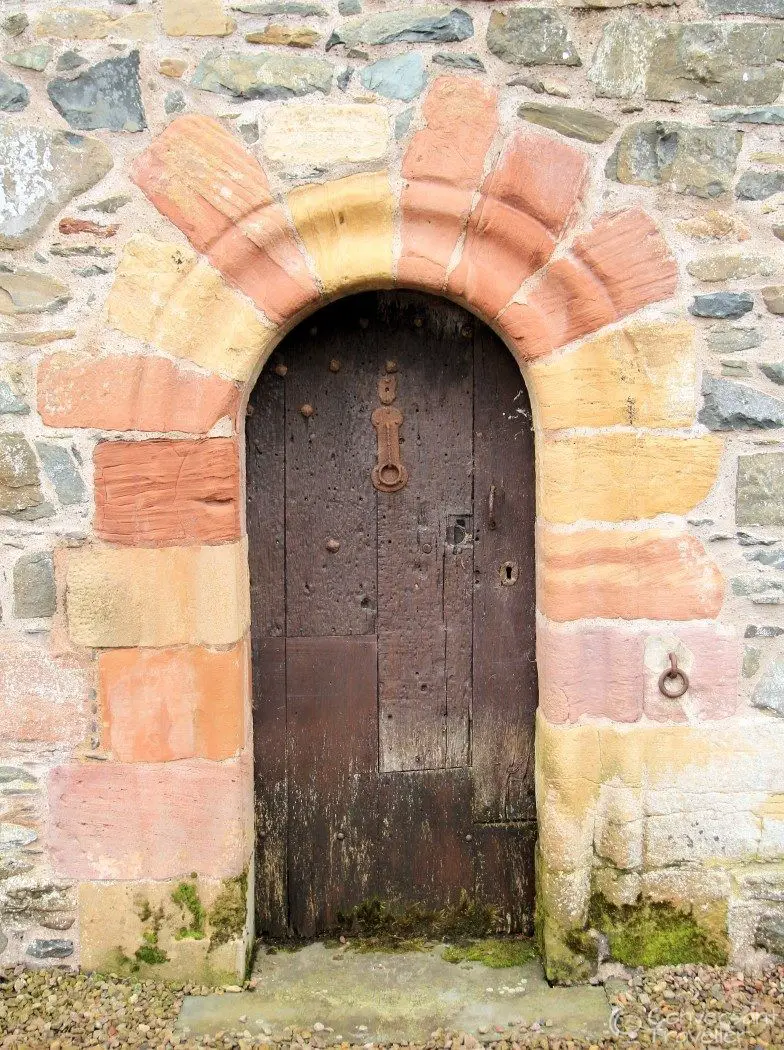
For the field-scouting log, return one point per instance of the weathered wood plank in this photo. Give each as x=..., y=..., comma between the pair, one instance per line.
x=434, y=393
x=333, y=773
x=504, y=871
x=505, y=688
x=329, y=493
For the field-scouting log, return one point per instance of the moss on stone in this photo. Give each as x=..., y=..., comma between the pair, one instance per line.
x=496, y=952
x=378, y=925
x=228, y=913
x=187, y=897
x=655, y=933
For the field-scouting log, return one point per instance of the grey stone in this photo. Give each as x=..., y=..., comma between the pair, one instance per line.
x=282, y=7
x=67, y=251
x=767, y=8
x=763, y=631
x=403, y=123
x=759, y=590
x=14, y=836
x=249, y=132
x=92, y=271
x=769, y=693
x=267, y=76
x=36, y=513
x=3, y=942
x=12, y=866
x=56, y=922
x=773, y=297
x=698, y=162
x=16, y=23
x=402, y=77
x=108, y=206
x=344, y=77
x=412, y=24
x=70, y=60
x=771, y=559
x=36, y=58
x=62, y=470
x=174, y=102
x=15, y=778
x=10, y=402
x=758, y=185
x=50, y=949
x=751, y=661
x=767, y=115
x=527, y=80
x=106, y=95
x=732, y=340
x=759, y=497
x=20, y=487
x=34, y=589
x=621, y=57
x=730, y=406
x=769, y=933
x=722, y=304
x=773, y=370
x=531, y=36
x=28, y=292
x=14, y=96
x=736, y=369
x=778, y=232
x=730, y=266
x=725, y=63
x=458, y=60
x=584, y=124
x=349, y=7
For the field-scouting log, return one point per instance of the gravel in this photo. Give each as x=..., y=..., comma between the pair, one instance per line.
x=684, y=1006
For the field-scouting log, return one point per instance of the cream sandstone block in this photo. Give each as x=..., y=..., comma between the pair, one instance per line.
x=165, y=295
x=118, y=597
x=308, y=135
x=622, y=477
x=196, y=18
x=347, y=226
x=641, y=375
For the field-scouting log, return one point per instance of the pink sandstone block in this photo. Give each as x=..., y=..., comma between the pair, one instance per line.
x=43, y=697
x=713, y=667
x=109, y=820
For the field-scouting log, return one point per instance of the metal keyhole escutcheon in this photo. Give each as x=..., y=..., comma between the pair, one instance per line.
x=673, y=682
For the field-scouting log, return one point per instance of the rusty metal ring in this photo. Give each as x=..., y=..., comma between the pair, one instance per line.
x=673, y=673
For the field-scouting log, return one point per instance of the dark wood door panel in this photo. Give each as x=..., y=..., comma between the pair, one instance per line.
x=504, y=871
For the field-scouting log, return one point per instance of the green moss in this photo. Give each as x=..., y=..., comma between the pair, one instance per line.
x=228, y=913
x=152, y=954
x=653, y=933
x=496, y=952
x=187, y=897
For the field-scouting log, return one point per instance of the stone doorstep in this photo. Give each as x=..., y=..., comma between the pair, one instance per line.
x=384, y=997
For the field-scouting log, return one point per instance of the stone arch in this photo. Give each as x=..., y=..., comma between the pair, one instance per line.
x=504, y=228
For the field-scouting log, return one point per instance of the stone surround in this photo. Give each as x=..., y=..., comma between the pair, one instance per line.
x=177, y=198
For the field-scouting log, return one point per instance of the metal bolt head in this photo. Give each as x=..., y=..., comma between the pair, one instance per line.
x=391, y=366
x=340, y=836
x=333, y=546
x=427, y=548
x=249, y=410
x=280, y=369
x=306, y=410
x=334, y=365
x=363, y=322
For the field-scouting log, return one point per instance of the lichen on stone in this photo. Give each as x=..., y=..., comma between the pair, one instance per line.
x=228, y=913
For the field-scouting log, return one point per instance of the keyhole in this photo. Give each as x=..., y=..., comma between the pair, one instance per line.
x=508, y=572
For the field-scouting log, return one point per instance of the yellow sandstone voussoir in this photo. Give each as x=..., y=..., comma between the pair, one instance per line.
x=623, y=477
x=347, y=226
x=165, y=295
x=157, y=596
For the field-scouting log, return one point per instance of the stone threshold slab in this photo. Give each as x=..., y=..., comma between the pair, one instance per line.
x=379, y=997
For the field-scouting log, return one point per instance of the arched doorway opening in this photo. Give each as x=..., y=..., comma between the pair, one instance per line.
x=390, y=513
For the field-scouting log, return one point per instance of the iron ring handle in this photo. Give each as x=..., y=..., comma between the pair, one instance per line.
x=673, y=673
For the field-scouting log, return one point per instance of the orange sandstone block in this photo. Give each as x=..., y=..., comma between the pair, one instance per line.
x=203, y=180
x=153, y=493
x=527, y=203
x=443, y=166
x=627, y=575
x=130, y=393
x=114, y=820
x=160, y=705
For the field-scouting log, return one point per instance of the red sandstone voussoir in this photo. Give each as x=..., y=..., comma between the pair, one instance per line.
x=115, y=820
x=202, y=179
x=153, y=493
x=130, y=393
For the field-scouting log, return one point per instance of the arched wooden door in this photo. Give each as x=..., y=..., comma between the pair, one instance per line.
x=394, y=676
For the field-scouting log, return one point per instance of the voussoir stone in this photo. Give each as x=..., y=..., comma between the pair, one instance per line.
x=326, y=135
x=722, y=304
x=733, y=406
x=621, y=58
x=412, y=24
x=728, y=63
x=531, y=36
x=759, y=185
x=584, y=124
x=28, y=292
x=20, y=487
x=402, y=77
x=730, y=266
x=14, y=96
x=696, y=161
x=769, y=694
x=267, y=76
x=107, y=95
x=759, y=496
